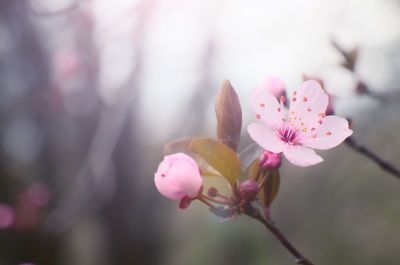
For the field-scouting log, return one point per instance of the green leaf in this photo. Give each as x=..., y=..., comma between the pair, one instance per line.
x=182, y=146
x=219, y=156
x=229, y=115
x=249, y=154
x=270, y=189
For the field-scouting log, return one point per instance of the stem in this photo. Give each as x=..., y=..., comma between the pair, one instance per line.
x=214, y=200
x=258, y=174
x=382, y=163
x=203, y=200
x=261, y=185
x=255, y=213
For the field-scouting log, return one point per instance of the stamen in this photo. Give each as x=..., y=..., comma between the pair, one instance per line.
x=328, y=133
x=262, y=105
x=294, y=99
x=320, y=121
x=283, y=99
x=312, y=129
x=295, y=93
x=309, y=110
x=163, y=175
x=279, y=109
x=314, y=136
x=258, y=116
x=304, y=99
x=322, y=115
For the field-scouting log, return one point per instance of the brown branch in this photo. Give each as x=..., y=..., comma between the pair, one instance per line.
x=385, y=165
x=255, y=213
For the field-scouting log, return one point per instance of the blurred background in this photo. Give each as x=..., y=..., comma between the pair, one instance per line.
x=91, y=90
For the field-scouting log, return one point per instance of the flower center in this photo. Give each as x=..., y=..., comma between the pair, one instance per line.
x=288, y=135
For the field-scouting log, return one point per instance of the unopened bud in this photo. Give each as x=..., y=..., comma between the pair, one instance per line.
x=212, y=192
x=269, y=160
x=249, y=189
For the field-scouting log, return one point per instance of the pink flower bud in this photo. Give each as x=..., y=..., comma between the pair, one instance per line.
x=249, y=189
x=269, y=160
x=178, y=176
x=275, y=86
x=212, y=192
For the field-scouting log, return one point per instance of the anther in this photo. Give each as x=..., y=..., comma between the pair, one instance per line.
x=294, y=99
x=304, y=99
x=258, y=116
x=328, y=133
x=163, y=175
x=279, y=109
x=314, y=136
x=283, y=99
x=312, y=129
x=262, y=105
x=309, y=110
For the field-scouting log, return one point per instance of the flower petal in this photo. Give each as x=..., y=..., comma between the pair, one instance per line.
x=301, y=156
x=333, y=131
x=275, y=86
x=266, y=107
x=265, y=137
x=308, y=103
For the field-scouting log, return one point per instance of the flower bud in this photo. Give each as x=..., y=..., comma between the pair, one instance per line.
x=178, y=176
x=249, y=189
x=275, y=87
x=212, y=192
x=269, y=160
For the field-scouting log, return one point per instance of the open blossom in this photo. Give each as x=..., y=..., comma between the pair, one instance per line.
x=304, y=128
x=178, y=177
x=274, y=86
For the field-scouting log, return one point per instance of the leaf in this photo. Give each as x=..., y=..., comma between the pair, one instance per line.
x=270, y=189
x=182, y=146
x=248, y=155
x=219, y=156
x=229, y=115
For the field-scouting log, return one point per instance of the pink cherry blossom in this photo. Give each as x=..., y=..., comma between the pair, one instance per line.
x=306, y=126
x=274, y=86
x=178, y=177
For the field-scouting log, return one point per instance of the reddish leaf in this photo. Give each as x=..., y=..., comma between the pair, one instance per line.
x=219, y=156
x=229, y=115
x=182, y=146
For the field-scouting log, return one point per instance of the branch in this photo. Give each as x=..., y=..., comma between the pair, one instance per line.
x=385, y=165
x=255, y=213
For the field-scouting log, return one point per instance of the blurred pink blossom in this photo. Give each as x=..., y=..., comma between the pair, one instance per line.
x=7, y=216
x=305, y=128
x=66, y=62
x=36, y=196
x=274, y=86
x=178, y=178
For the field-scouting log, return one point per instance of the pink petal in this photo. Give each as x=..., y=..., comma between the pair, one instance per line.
x=266, y=107
x=274, y=86
x=333, y=131
x=308, y=103
x=178, y=176
x=301, y=156
x=265, y=137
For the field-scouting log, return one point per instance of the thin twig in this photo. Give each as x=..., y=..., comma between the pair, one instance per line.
x=255, y=213
x=385, y=165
